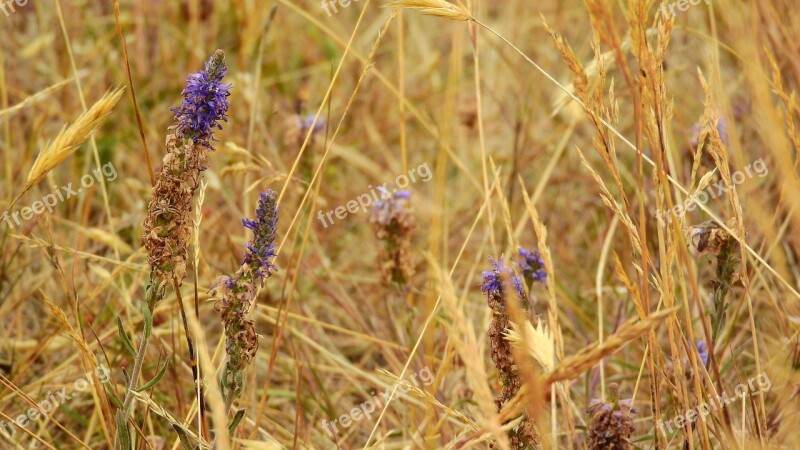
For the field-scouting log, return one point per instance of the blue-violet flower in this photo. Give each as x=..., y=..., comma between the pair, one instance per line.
x=205, y=102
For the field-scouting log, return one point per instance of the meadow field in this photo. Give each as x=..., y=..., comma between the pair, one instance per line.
x=399, y=224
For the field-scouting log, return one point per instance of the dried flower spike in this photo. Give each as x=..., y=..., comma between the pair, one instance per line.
x=167, y=227
x=611, y=425
x=709, y=237
x=394, y=224
x=168, y=224
x=494, y=285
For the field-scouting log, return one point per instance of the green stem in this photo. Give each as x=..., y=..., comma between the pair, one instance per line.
x=152, y=298
x=137, y=369
x=727, y=264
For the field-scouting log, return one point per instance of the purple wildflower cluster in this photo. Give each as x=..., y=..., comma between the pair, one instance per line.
x=261, y=248
x=531, y=265
x=205, y=102
x=492, y=284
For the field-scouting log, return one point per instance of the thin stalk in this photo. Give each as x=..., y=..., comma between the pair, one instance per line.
x=189, y=342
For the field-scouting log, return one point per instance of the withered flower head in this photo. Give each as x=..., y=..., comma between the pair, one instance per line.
x=611, y=425
x=394, y=224
x=709, y=237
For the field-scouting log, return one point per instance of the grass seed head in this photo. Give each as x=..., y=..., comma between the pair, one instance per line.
x=436, y=8
x=71, y=137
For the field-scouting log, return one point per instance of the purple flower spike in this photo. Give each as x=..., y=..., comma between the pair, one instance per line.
x=261, y=248
x=205, y=102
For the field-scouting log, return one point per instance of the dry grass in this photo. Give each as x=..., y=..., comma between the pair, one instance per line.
x=558, y=125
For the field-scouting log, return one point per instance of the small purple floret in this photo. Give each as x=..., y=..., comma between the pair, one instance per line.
x=702, y=350
x=309, y=120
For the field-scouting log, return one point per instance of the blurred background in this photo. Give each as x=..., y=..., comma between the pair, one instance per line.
x=396, y=90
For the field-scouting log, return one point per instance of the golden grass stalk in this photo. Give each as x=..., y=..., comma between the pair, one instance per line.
x=70, y=138
x=436, y=8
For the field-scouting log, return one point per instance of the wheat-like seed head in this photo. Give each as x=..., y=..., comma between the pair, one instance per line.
x=71, y=137
x=437, y=8
x=539, y=340
x=589, y=356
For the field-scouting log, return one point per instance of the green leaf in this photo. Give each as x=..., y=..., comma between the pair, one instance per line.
x=123, y=434
x=182, y=436
x=236, y=419
x=112, y=394
x=148, y=321
x=154, y=381
x=125, y=339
